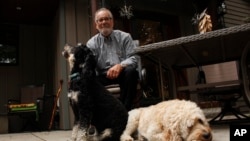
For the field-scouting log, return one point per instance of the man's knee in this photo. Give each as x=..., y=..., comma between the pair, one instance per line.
x=131, y=72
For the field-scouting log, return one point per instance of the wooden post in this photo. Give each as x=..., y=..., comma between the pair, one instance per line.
x=93, y=10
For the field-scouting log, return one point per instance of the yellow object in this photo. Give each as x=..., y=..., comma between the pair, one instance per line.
x=22, y=105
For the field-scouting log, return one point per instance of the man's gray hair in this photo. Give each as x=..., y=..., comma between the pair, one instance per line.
x=103, y=9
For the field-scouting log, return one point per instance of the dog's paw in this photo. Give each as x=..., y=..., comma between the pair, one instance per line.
x=83, y=135
x=126, y=138
x=106, y=133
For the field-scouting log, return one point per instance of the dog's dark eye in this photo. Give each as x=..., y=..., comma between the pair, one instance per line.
x=200, y=121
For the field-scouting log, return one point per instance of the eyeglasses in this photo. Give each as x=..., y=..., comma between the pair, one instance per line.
x=103, y=19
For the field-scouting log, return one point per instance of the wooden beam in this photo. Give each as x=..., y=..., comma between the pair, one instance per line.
x=94, y=7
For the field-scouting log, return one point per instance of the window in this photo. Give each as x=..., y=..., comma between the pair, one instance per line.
x=8, y=44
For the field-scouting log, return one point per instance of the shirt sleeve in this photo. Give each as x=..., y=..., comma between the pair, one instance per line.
x=131, y=57
x=90, y=44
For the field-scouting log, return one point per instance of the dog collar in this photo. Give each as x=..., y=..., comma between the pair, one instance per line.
x=74, y=76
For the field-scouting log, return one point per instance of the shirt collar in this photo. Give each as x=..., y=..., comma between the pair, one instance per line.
x=109, y=38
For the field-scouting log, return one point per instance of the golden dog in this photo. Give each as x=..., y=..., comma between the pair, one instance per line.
x=173, y=120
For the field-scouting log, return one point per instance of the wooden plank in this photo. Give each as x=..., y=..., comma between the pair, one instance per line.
x=237, y=3
x=237, y=10
x=209, y=85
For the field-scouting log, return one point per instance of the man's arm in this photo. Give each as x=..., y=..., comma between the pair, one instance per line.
x=131, y=59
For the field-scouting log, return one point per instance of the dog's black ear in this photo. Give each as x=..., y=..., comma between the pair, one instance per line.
x=90, y=58
x=90, y=62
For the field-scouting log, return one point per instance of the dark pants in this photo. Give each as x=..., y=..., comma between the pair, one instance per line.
x=127, y=80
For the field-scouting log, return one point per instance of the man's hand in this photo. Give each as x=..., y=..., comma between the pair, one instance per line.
x=114, y=71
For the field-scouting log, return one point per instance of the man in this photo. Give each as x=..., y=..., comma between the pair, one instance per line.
x=113, y=50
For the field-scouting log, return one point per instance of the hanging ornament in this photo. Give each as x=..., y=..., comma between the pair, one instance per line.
x=205, y=23
x=126, y=11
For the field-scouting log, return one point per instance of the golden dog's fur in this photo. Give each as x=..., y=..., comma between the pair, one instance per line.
x=174, y=120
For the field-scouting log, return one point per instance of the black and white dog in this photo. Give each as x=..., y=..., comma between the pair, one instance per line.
x=98, y=115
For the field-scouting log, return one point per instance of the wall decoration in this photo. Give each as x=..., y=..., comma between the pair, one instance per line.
x=126, y=11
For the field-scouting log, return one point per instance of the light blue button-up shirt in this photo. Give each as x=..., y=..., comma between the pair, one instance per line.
x=117, y=48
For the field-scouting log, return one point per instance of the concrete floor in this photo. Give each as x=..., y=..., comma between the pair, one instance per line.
x=220, y=133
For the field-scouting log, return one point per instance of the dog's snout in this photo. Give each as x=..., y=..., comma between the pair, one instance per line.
x=207, y=136
x=65, y=54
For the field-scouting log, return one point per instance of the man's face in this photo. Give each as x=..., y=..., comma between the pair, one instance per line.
x=104, y=23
